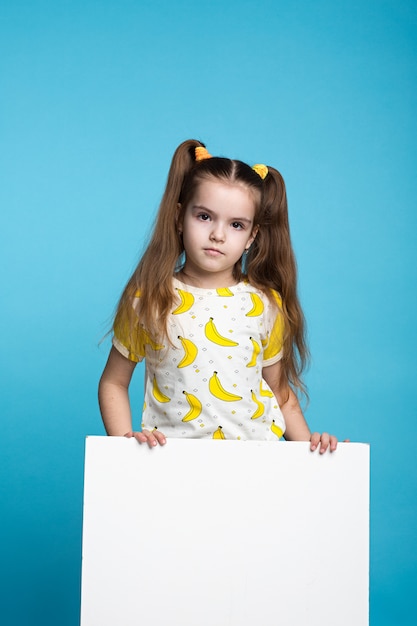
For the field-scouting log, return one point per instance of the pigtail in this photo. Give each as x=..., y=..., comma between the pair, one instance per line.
x=152, y=279
x=271, y=263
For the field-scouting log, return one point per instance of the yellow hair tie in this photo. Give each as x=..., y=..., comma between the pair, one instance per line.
x=261, y=170
x=201, y=153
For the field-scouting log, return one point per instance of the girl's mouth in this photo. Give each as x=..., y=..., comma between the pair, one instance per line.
x=212, y=251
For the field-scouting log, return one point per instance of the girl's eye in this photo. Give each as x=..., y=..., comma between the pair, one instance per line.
x=237, y=225
x=204, y=217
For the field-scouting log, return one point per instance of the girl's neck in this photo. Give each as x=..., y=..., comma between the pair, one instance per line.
x=209, y=282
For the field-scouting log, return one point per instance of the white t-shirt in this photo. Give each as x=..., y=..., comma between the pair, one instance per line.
x=207, y=383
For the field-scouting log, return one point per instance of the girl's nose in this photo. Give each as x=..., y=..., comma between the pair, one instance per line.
x=217, y=234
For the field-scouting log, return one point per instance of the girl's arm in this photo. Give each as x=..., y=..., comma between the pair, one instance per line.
x=296, y=426
x=113, y=395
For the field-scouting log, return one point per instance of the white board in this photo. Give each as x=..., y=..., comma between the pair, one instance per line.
x=224, y=533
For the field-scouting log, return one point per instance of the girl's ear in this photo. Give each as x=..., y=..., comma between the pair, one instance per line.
x=252, y=237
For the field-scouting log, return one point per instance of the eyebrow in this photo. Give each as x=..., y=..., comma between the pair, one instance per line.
x=235, y=219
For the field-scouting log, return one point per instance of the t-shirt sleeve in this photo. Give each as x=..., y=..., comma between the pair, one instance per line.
x=128, y=337
x=273, y=350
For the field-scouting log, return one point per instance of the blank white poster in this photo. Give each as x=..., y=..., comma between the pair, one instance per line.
x=224, y=533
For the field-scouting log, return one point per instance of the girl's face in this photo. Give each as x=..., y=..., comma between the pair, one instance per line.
x=217, y=227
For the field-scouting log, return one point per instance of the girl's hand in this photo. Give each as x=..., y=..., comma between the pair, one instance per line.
x=325, y=441
x=151, y=437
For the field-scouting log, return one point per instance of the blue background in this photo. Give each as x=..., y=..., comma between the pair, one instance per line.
x=94, y=98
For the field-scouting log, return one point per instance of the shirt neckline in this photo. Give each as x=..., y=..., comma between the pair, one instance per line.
x=242, y=285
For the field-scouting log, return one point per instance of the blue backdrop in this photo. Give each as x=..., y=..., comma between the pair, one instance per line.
x=95, y=96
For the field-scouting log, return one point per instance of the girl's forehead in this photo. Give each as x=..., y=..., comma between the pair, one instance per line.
x=219, y=192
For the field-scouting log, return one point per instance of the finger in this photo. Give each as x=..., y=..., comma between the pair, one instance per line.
x=325, y=440
x=151, y=437
x=333, y=443
x=152, y=440
x=140, y=436
x=160, y=437
x=314, y=441
x=128, y=435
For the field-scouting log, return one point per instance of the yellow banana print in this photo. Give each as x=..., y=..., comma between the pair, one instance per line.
x=258, y=306
x=187, y=301
x=213, y=335
x=219, y=392
x=190, y=352
x=225, y=291
x=157, y=393
x=265, y=392
x=260, y=410
x=256, y=351
x=195, y=407
x=276, y=430
x=219, y=434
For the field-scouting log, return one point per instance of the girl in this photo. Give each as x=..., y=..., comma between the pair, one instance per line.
x=212, y=306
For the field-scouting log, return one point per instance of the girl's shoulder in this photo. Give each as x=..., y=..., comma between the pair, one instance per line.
x=266, y=302
x=267, y=294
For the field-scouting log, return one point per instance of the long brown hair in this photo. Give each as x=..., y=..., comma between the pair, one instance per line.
x=270, y=262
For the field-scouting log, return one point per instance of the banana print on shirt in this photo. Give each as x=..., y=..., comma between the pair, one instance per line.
x=206, y=380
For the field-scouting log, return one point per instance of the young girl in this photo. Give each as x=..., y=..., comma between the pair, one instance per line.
x=212, y=306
